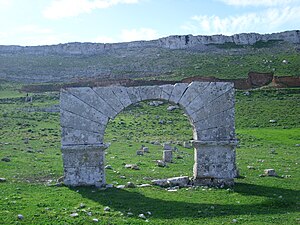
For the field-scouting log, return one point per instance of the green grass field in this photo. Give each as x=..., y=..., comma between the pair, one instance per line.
x=30, y=138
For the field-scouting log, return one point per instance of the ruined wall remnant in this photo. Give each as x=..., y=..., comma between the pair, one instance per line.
x=86, y=111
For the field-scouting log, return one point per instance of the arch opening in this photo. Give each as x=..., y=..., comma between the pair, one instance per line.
x=152, y=124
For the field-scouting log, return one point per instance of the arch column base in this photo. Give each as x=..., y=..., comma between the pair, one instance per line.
x=84, y=165
x=214, y=163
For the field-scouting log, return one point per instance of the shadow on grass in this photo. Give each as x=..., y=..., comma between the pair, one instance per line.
x=134, y=201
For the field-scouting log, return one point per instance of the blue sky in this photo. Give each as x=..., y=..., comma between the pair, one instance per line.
x=41, y=22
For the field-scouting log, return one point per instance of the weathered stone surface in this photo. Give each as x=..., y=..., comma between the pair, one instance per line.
x=76, y=106
x=214, y=160
x=91, y=98
x=134, y=94
x=209, y=105
x=122, y=95
x=139, y=152
x=167, y=155
x=161, y=163
x=167, y=146
x=193, y=90
x=72, y=136
x=109, y=96
x=146, y=149
x=177, y=92
x=166, y=91
x=178, y=181
x=150, y=92
x=160, y=182
x=74, y=121
x=270, y=173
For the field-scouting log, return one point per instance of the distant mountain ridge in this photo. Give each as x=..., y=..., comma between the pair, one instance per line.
x=170, y=58
x=170, y=42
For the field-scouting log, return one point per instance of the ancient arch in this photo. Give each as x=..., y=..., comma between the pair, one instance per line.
x=86, y=111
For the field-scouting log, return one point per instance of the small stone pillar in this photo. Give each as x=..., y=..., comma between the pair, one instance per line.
x=84, y=165
x=167, y=155
x=214, y=163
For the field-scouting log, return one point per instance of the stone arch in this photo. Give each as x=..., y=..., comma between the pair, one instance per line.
x=86, y=111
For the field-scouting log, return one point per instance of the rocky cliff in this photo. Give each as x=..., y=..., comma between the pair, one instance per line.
x=171, y=42
x=173, y=57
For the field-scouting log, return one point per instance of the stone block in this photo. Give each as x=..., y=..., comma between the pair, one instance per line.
x=91, y=98
x=193, y=90
x=134, y=94
x=166, y=91
x=76, y=106
x=74, y=121
x=83, y=158
x=122, y=95
x=72, y=136
x=224, y=118
x=107, y=94
x=167, y=146
x=167, y=155
x=218, y=133
x=139, y=152
x=84, y=176
x=214, y=160
x=150, y=92
x=177, y=92
x=178, y=181
x=218, y=105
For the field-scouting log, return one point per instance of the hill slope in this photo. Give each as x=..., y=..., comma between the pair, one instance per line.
x=173, y=57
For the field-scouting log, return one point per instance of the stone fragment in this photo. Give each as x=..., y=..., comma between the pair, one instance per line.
x=178, y=181
x=109, y=185
x=144, y=185
x=142, y=216
x=106, y=209
x=74, y=215
x=95, y=220
x=167, y=146
x=139, y=152
x=167, y=155
x=108, y=167
x=130, y=185
x=187, y=144
x=20, y=217
x=121, y=186
x=146, y=149
x=251, y=167
x=270, y=173
x=132, y=166
x=161, y=163
x=2, y=179
x=172, y=107
x=160, y=182
x=5, y=159
x=272, y=121
x=155, y=103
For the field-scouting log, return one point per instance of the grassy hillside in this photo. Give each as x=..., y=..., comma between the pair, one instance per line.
x=30, y=138
x=222, y=61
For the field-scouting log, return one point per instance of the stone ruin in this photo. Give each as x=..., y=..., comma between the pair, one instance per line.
x=86, y=111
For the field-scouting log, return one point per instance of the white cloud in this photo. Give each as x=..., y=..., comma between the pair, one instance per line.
x=5, y=4
x=33, y=35
x=138, y=34
x=259, y=2
x=69, y=8
x=269, y=20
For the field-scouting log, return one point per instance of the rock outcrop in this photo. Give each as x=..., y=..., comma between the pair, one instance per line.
x=171, y=42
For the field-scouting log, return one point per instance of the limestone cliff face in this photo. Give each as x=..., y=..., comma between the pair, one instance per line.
x=171, y=42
